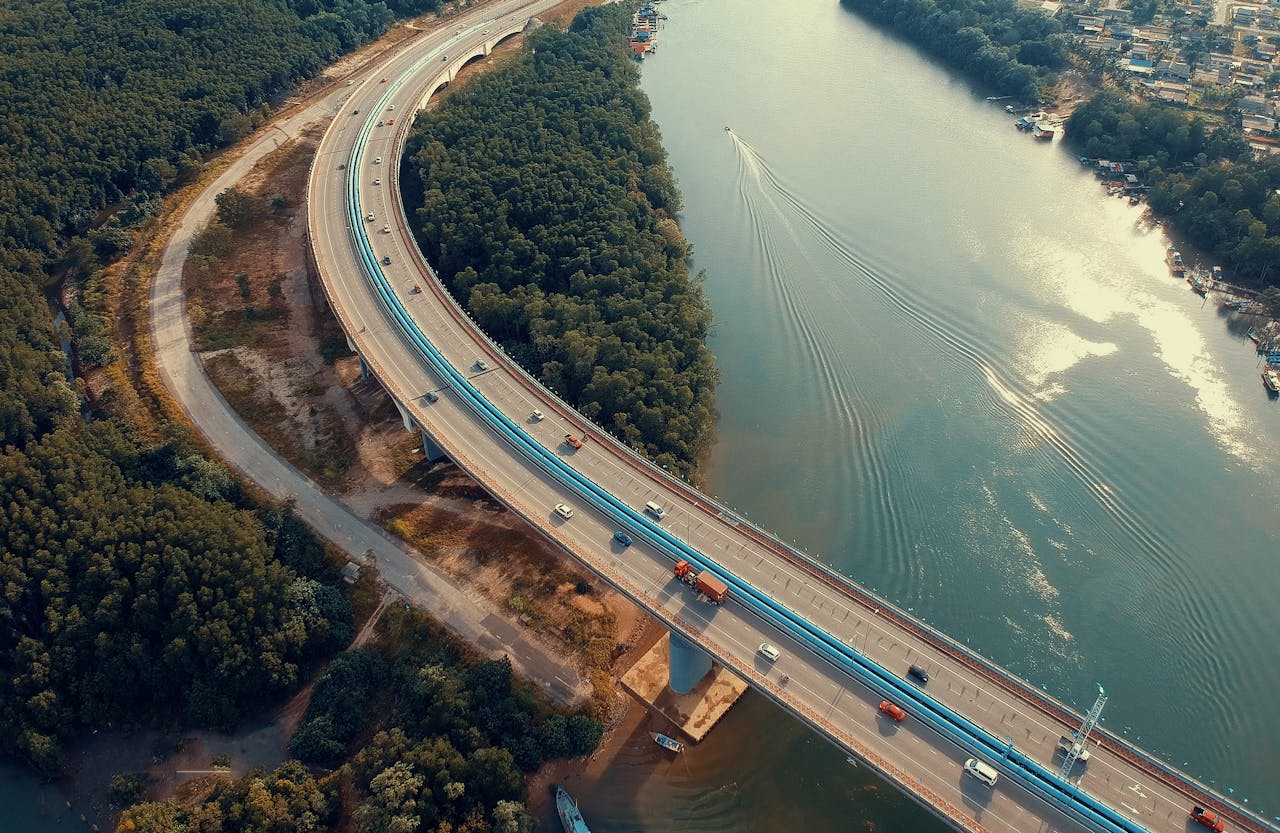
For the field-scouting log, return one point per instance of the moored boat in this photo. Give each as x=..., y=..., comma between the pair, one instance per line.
x=1042, y=131
x=1173, y=257
x=1271, y=378
x=570, y=817
x=666, y=742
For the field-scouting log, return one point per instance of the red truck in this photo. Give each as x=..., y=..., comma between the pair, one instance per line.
x=1209, y=819
x=707, y=583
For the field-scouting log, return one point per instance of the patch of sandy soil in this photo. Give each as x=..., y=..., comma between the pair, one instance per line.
x=1072, y=90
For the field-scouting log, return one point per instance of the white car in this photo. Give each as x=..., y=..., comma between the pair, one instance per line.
x=377, y=181
x=537, y=416
x=392, y=107
x=377, y=160
x=386, y=229
x=369, y=216
x=768, y=652
x=564, y=511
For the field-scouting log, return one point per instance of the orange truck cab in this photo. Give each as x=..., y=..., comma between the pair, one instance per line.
x=1209, y=819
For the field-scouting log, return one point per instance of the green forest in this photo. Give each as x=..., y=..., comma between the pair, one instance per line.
x=1202, y=179
x=553, y=219
x=138, y=580
x=998, y=43
x=446, y=749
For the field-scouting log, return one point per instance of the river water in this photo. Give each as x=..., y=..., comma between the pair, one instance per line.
x=958, y=372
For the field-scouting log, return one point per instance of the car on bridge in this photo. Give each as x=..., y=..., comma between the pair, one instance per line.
x=982, y=771
x=481, y=365
x=919, y=673
x=623, y=538
x=431, y=396
x=1209, y=819
x=573, y=441
x=563, y=511
x=768, y=652
x=894, y=713
x=537, y=416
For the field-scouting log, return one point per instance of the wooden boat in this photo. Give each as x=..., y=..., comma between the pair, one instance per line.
x=666, y=742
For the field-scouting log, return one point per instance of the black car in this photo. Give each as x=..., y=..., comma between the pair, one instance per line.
x=919, y=673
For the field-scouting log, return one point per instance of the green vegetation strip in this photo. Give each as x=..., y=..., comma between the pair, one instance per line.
x=542, y=195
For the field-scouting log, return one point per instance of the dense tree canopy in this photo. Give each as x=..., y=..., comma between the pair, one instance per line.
x=997, y=42
x=1203, y=180
x=288, y=800
x=135, y=580
x=441, y=743
x=104, y=99
x=544, y=198
x=125, y=596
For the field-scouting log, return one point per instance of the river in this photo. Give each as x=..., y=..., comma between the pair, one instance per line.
x=956, y=371
x=959, y=373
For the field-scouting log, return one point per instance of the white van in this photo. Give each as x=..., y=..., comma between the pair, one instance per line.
x=655, y=510
x=982, y=771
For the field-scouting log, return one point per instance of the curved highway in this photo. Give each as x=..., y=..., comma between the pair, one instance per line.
x=843, y=649
x=464, y=611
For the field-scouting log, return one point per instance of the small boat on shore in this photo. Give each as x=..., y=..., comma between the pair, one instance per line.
x=570, y=817
x=1199, y=283
x=1173, y=257
x=666, y=742
x=1271, y=378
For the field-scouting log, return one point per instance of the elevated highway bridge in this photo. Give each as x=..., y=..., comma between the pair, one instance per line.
x=843, y=649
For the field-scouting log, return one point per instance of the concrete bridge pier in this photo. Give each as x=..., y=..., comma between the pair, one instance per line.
x=430, y=449
x=404, y=417
x=688, y=664
x=364, y=368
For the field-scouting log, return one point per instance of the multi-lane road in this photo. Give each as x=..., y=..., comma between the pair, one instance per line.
x=353, y=204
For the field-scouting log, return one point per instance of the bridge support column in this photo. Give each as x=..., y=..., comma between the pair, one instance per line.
x=364, y=368
x=688, y=664
x=430, y=450
x=404, y=416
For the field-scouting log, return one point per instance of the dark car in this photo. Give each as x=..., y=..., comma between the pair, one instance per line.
x=919, y=673
x=623, y=538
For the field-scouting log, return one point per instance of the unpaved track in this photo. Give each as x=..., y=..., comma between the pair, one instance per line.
x=472, y=617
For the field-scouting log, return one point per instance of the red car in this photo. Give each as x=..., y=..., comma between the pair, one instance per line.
x=894, y=713
x=1209, y=819
x=573, y=441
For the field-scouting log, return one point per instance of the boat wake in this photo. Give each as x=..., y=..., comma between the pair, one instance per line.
x=855, y=417
x=1018, y=405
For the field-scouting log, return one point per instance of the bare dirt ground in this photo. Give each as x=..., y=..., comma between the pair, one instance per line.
x=1071, y=90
